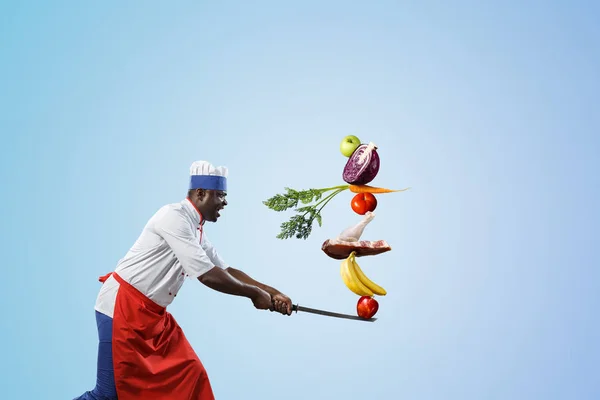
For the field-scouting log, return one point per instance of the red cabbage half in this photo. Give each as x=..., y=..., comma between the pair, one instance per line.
x=362, y=166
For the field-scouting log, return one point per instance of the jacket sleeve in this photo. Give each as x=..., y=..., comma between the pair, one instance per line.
x=212, y=253
x=176, y=230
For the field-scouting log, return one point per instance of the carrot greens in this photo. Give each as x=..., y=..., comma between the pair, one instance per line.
x=300, y=225
x=308, y=204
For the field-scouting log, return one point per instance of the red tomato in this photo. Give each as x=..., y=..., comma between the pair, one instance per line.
x=367, y=307
x=363, y=202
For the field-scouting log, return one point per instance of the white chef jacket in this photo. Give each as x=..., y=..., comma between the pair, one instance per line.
x=171, y=247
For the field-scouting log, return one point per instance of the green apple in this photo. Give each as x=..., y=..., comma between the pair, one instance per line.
x=349, y=144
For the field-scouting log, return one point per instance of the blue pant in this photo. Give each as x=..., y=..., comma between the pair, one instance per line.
x=105, y=379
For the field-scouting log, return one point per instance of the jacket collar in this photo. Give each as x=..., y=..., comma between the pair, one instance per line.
x=193, y=212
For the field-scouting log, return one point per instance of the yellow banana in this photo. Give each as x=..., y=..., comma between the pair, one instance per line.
x=372, y=286
x=351, y=279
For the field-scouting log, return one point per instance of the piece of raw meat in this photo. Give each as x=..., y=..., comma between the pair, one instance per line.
x=349, y=241
x=340, y=249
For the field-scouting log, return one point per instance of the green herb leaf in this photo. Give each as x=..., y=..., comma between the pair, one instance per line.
x=300, y=225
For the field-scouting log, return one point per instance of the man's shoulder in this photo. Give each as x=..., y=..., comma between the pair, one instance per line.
x=170, y=210
x=177, y=206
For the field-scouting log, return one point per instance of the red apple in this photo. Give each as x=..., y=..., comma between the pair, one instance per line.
x=366, y=307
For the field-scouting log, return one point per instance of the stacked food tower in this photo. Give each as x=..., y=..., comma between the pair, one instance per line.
x=361, y=168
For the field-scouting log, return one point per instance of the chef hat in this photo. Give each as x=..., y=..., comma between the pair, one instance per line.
x=203, y=175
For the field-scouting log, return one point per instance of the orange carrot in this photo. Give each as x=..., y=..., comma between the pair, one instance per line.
x=372, y=189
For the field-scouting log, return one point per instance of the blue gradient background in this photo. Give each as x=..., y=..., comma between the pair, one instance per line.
x=489, y=112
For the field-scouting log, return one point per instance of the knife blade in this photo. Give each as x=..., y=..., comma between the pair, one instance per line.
x=297, y=307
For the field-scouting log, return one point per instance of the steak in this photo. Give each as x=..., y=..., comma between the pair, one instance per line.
x=340, y=249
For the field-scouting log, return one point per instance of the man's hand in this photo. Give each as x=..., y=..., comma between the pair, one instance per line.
x=282, y=304
x=262, y=299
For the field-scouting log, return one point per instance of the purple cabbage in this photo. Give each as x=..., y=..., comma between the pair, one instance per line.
x=362, y=166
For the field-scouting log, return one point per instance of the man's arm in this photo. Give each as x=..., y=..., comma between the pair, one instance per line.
x=219, y=280
x=211, y=251
x=281, y=302
x=242, y=276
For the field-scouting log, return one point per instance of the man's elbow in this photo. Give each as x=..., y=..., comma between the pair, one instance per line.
x=203, y=278
x=208, y=276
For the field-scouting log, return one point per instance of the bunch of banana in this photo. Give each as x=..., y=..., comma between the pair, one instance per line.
x=356, y=280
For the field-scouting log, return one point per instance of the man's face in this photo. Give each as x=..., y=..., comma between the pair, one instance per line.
x=211, y=203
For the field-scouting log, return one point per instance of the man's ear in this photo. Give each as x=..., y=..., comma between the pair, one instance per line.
x=201, y=193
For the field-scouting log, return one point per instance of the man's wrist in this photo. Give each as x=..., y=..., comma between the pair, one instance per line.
x=254, y=292
x=268, y=289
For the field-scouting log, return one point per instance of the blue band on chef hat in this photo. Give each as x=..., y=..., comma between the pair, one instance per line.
x=210, y=182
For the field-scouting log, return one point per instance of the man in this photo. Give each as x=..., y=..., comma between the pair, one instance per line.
x=142, y=352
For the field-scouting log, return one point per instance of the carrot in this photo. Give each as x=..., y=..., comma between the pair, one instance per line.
x=372, y=189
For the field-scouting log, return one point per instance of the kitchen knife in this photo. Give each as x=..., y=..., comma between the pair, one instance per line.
x=297, y=307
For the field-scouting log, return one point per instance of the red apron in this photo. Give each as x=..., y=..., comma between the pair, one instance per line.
x=152, y=358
